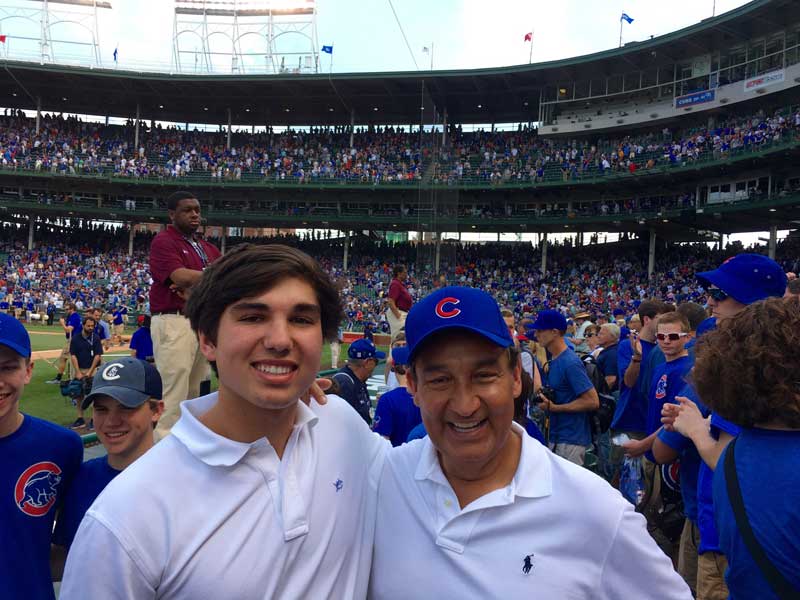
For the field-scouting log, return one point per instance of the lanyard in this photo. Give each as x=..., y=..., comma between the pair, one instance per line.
x=199, y=249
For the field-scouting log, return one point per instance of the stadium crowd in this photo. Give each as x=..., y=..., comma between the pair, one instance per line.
x=375, y=155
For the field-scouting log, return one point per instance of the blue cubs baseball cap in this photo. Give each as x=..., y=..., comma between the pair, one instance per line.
x=456, y=307
x=362, y=349
x=400, y=355
x=747, y=278
x=14, y=335
x=550, y=319
x=128, y=380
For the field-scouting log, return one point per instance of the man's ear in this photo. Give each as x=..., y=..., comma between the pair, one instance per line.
x=207, y=347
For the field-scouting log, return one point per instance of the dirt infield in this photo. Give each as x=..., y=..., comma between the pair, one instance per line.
x=42, y=354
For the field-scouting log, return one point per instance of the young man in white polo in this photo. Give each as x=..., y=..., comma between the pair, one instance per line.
x=481, y=510
x=255, y=494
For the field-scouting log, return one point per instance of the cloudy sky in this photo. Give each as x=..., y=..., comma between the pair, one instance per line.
x=367, y=37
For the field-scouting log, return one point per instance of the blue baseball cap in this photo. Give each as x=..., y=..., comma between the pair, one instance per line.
x=400, y=355
x=550, y=319
x=128, y=380
x=362, y=349
x=456, y=307
x=707, y=325
x=747, y=278
x=14, y=335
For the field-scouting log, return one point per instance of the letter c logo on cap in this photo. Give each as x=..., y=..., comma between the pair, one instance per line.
x=447, y=314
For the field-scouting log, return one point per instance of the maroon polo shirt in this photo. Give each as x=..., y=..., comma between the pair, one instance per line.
x=169, y=251
x=400, y=295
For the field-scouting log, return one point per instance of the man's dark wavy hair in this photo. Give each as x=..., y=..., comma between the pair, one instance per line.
x=248, y=270
x=748, y=369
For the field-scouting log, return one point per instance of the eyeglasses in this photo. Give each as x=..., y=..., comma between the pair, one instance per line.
x=588, y=335
x=672, y=337
x=717, y=294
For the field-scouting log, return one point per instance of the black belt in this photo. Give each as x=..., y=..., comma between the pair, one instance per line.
x=165, y=312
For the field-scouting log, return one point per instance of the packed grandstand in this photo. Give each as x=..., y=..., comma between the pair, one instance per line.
x=592, y=208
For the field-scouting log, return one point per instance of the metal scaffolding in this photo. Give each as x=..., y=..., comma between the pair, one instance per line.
x=255, y=36
x=47, y=15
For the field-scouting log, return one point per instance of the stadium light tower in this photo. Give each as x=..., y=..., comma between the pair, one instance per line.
x=63, y=16
x=241, y=36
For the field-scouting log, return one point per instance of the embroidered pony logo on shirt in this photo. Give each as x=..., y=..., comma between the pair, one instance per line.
x=527, y=564
x=338, y=484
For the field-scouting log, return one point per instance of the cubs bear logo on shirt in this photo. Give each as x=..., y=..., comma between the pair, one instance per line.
x=661, y=387
x=35, y=492
x=447, y=314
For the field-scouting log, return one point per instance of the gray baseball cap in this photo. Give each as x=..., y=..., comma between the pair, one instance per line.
x=128, y=380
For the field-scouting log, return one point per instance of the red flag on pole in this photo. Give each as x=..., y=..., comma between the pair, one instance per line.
x=2, y=39
x=529, y=36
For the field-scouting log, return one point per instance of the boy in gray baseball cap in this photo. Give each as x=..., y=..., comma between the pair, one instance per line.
x=126, y=394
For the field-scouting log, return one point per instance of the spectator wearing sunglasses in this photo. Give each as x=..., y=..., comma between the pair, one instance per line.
x=672, y=334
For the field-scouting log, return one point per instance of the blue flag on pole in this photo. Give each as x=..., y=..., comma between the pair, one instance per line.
x=625, y=17
x=115, y=54
x=327, y=49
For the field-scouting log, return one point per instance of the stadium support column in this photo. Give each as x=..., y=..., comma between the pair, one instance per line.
x=223, y=234
x=31, y=228
x=136, y=132
x=38, y=114
x=438, y=255
x=352, y=124
x=773, y=241
x=346, y=249
x=544, y=253
x=228, y=142
x=651, y=255
x=131, y=235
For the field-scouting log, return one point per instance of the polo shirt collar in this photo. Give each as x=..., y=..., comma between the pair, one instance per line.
x=216, y=450
x=533, y=478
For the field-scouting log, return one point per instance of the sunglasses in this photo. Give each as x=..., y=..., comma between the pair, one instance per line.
x=672, y=337
x=717, y=294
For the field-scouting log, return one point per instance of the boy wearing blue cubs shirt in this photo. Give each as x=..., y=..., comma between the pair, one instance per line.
x=127, y=405
x=38, y=461
x=396, y=414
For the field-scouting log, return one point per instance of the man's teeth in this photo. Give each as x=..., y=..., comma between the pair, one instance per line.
x=274, y=369
x=466, y=426
x=116, y=435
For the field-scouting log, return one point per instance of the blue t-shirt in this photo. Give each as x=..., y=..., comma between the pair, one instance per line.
x=532, y=429
x=630, y=413
x=709, y=539
x=103, y=332
x=142, y=342
x=396, y=415
x=119, y=315
x=567, y=376
x=75, y=321
x=689, y=457
x=667, y=381
x=92, y=478
x=652, y=356
x=766, y=466
x=417, y=433
x=607, y=363
x=38, y=463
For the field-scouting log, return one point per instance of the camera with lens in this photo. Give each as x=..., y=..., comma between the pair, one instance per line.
x=545, y=391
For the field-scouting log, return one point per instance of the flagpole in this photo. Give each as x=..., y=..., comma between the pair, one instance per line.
x=620, y=32
x=530, y=54
x=431, y=56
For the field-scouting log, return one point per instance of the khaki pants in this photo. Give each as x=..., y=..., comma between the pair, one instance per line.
x=572, y=452
x=395, y=323
x=711, y=568
x=687, y=554
x=336, y=348
x=181, y=364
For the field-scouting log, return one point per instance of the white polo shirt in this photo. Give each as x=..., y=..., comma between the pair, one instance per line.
x=556, y=531
x=202, y=516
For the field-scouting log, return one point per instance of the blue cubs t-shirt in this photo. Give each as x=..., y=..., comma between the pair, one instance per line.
x=38, y=463
x=142, y=342
x=630, y=414
x=119, y=315
x=73, y=320
x=396, y=415
x=567, y=376
x=689, y=457
x=709, y=538
x=667, y=380
x=92, y=478
x=766, y=466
